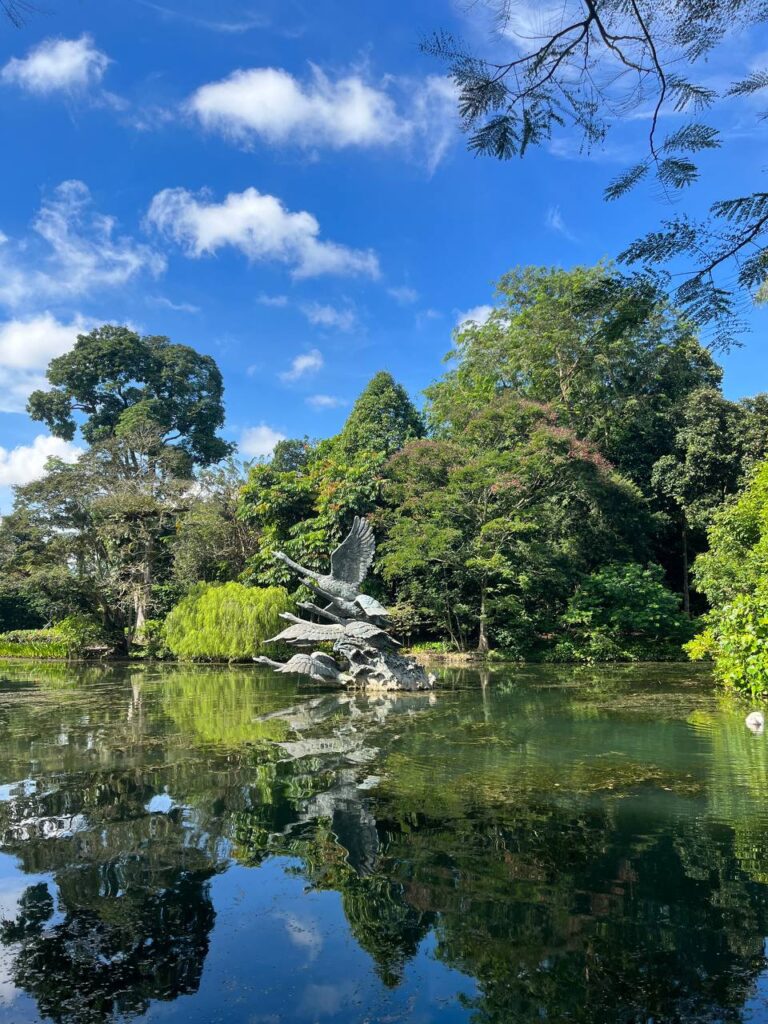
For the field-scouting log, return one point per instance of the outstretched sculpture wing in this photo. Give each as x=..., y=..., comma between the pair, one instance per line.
x=300, y=663
x=352, y=559
x=309, y=633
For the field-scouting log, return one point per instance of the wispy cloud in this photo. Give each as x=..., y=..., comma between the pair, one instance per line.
x=403, y=295
x=249, y=20
x=74, y=251
x=177, y=307
x=276, y=301
x=553, y=220
x=304, y=365
x=322, y=402
x=329, y=316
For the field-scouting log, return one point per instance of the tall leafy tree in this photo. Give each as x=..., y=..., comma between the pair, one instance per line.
x=114, y=382
x=488, y=530
x=607, y=351
x=593, y=64
x=382, y=419
x=106, y=523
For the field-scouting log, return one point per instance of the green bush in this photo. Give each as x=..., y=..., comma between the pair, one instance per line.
x=623, y=612
x=73, y=637
x=149, y=642
x=734, y=576
x=224, y=622
x=33, y=643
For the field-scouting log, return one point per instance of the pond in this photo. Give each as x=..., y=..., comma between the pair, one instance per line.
x=206, y=845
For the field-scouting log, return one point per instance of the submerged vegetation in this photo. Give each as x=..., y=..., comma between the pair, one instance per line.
x=572, y=464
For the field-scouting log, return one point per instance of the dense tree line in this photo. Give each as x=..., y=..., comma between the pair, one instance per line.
x=549, y=500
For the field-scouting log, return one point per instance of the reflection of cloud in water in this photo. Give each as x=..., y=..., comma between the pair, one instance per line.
x=13, y=886
x=326, y=1000
x=8, y=991
x=161, y=803
x=17, y=790
x=303, y=933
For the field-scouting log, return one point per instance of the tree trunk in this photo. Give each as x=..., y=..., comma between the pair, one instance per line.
x=482, y=640
x=686, y=573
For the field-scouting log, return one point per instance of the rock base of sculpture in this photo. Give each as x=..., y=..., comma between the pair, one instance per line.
x=353, y=622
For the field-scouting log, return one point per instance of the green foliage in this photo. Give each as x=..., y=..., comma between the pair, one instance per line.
x=486, y=531
x=125, y=384
x=149, y=642
x=33, y=643
x=585, y=73
x=734, y=576
x=383, y=419
x=225, y=622
x=623, y=612
x=605, y=350
x=213, y=542
x=73, y=637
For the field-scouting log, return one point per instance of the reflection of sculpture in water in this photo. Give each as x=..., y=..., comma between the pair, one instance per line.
x=353, y=623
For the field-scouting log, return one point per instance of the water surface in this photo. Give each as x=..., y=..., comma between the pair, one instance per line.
x=207, y=845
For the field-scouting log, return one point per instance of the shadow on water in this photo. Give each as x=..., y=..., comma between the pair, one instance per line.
x=525, y=844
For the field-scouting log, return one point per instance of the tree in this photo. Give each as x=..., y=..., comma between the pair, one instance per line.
x=383, y=419
x=105, y=522
x=488, y=531
x=213, y=543
x=304, y=500
x=121, y=384
x=595, y=63
x=605, y=350
x=702, y=469
x=734, y=576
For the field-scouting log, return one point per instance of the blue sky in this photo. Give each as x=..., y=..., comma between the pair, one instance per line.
x=283, y=185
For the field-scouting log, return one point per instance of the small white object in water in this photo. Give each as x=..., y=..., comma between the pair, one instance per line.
x=755, y=722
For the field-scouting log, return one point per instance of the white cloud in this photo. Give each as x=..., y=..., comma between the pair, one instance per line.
x=259, y=441
x=260, y=227
x=321, y=402
x=554, y=221
x=177, y=307
x=403, y=294
x=25, y=463
x=57, y=64
x=478, y=315
x=250, y=20
x=273, y=105
x=275, y=301
x=329, y=316
x=81, y=252
x=26, y=348
x=304, y=365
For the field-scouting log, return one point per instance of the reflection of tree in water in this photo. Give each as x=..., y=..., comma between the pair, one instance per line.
x=588, y=908
x=92, y=966
x=129, y=915
x=583, y=909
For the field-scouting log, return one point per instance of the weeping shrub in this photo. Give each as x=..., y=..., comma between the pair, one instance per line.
x=224, y=622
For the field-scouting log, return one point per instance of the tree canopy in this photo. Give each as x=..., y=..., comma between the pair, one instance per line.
x=114, y=382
